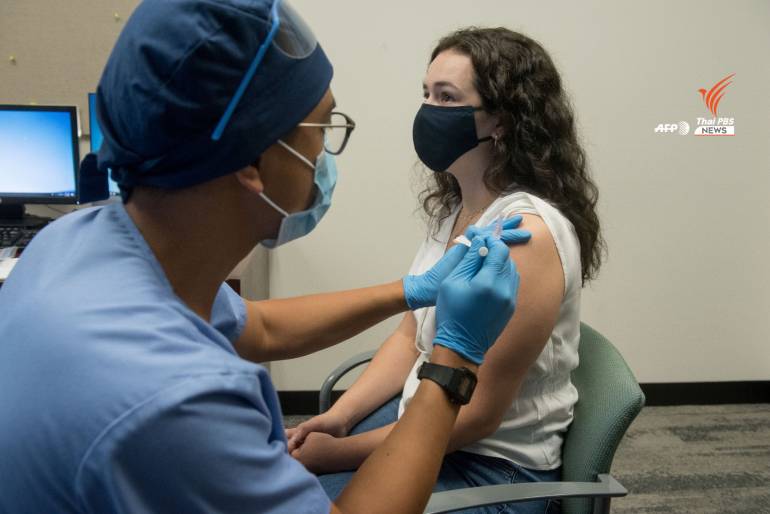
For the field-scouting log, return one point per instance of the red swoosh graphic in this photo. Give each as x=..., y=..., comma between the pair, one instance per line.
x=713, y=96
x=715, y=103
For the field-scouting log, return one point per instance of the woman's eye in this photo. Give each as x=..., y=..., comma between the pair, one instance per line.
x=446, y=98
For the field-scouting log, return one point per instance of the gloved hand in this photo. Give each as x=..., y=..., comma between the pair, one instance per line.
x=476, y=300
x=422, y=290
x=510, y=234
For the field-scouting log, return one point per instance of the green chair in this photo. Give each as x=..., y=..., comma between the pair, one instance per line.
x=609, y=400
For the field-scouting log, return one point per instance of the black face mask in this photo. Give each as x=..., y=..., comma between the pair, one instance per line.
x=443, y=134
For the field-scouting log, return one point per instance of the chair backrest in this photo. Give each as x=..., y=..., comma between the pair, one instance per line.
x=609, y=400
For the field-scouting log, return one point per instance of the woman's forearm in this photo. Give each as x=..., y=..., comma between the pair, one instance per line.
x=383, y=378
x=293, y=327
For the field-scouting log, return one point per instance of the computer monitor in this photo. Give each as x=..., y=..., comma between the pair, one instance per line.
x=97, y=137
x=39, y=155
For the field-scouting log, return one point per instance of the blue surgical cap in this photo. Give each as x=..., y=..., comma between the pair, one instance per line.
x=172, y=74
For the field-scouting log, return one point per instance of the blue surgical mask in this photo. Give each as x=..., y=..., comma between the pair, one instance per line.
x=298, y=224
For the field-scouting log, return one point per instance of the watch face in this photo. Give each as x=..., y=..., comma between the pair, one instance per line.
x=458, y=383
x=464, y=388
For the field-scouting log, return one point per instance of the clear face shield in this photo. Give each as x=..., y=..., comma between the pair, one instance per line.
x=290, y=35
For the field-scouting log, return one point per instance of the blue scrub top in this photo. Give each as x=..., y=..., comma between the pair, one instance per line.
x=115, y=397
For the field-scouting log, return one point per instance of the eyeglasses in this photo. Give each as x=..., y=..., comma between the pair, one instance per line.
x=337, y=131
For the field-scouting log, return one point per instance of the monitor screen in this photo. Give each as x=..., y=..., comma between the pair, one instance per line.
x=97, y=137
x=39, y=154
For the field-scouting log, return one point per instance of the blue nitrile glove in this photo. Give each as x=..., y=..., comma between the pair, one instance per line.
x=511, y=234
x=476, y=300
x=422, y=290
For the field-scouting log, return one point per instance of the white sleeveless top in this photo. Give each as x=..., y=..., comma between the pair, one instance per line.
x=532, y=427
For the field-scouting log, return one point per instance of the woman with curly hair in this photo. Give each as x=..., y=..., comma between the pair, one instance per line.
x=498, y=133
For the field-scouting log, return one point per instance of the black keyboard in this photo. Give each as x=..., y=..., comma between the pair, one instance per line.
x=17, y=236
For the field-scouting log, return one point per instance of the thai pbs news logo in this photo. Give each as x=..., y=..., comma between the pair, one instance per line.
x=717, y=125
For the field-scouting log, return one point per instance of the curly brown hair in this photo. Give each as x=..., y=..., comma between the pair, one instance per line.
x=538, y=151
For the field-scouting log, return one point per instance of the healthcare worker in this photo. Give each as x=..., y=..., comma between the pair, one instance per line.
x=128, y=380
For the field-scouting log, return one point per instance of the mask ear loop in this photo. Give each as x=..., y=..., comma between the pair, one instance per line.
x=489, y=137
x=274, y=205
x=296, y=154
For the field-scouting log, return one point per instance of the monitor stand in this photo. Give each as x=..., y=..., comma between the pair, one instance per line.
x=15, y=216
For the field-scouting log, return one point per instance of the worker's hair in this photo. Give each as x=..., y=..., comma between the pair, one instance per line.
x=538, y=150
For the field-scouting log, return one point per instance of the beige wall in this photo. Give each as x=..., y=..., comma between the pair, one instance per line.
x=60, y=49
x=685, y=293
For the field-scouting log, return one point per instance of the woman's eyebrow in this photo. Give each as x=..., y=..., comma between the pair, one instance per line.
x=441, y=83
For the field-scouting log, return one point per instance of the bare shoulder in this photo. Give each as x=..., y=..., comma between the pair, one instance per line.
x=542, y=245
x=538, y=260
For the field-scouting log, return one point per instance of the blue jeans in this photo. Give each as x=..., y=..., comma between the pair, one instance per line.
x=459, y=469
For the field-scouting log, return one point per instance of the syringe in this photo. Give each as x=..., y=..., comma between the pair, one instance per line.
x=498, y=227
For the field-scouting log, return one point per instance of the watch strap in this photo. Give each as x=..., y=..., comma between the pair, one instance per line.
x=458, y=383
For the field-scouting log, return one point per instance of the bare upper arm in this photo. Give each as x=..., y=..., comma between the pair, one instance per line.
x=253, y=335
x=408, y=326
x=541, y=291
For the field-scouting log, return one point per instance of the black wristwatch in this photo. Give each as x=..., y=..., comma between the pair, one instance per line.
x=458, y=383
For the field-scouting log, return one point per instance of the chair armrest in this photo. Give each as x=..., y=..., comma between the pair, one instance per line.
x=325, y=396
x=458, y=499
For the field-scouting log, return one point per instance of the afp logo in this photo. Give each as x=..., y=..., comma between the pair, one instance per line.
x=682, y=128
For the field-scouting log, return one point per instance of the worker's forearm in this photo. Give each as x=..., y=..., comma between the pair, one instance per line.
x=469, y=428
x=294, y=327
x=360, y=446
x=380, y=381
x=399, y=476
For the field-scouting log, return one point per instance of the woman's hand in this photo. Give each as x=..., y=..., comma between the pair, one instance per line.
x=326, y=423
x=321, y=453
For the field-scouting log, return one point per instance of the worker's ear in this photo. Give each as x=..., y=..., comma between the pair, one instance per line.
x=250, y=179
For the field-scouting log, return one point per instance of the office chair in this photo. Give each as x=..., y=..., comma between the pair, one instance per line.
x=609, y=400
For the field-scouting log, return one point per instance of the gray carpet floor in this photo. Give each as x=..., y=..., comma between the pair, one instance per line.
x=692, y=459
x=696, y=459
